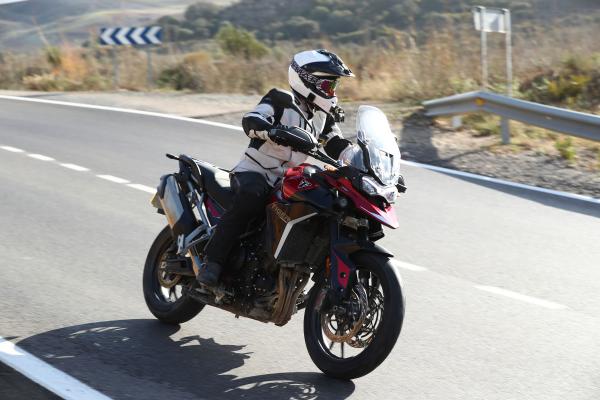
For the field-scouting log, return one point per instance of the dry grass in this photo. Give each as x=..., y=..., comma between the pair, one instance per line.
x=447, y=63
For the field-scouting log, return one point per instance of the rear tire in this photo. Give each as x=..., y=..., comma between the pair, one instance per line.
x=384, y=337
x=170, y=312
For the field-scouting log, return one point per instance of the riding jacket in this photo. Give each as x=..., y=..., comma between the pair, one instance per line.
x=272, y=160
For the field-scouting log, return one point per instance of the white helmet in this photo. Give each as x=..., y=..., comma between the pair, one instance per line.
x=314, y=75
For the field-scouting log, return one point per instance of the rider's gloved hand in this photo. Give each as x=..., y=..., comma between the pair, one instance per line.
x=296, y=138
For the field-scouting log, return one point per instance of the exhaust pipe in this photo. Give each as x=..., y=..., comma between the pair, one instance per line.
x=180, y=216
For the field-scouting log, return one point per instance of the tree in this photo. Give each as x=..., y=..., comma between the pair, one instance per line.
x=202, y=10
x=240, y=42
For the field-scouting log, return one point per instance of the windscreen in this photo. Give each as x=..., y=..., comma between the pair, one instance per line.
x=374, y=133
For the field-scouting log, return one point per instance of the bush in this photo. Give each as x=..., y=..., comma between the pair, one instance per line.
x=179, y=77
x=54, y=57
x=576, y=83
x=565, y=148
x=189, y=74
x=240, y=42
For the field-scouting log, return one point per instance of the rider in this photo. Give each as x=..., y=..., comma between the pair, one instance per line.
x=313, y=77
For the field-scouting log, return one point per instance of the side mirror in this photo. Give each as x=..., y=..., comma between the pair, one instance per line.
x=282, y=98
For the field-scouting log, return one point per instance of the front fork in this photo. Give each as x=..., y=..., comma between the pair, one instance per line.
x=340, y=271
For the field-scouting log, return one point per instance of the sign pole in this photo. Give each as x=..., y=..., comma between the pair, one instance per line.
x=484, y=63
x=149, y=71
x=505, y=122
x=115, y=60
x=509, y=66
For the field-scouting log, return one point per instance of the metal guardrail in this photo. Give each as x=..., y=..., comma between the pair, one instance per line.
x=553, y=118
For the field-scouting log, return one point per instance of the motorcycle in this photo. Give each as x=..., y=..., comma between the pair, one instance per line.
x=313, y=249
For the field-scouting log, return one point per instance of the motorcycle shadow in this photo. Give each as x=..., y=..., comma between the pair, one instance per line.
x=139, y=359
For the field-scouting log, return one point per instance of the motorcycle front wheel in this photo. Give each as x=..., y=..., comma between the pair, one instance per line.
x=353, y=339
x=162, y=291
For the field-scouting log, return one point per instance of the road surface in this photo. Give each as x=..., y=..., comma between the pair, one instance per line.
x=502, y=284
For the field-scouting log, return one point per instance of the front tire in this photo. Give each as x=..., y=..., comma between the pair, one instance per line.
x=387, y=292
x=165, y=304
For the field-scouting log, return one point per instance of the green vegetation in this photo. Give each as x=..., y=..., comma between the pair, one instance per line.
x=576, y=84
x=482, y=124
x=240, y=42
x=565, y=148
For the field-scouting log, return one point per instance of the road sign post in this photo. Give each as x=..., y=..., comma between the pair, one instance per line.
x=484, y=63
x=499, y=21
x=146, y=36
x=149, y=71
x=115, y=62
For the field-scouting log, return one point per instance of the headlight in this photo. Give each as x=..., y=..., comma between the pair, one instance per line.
x=371, y=187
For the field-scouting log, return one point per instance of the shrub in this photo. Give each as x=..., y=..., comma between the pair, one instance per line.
x=54, y=57
x=565, y=148
x=240, y=42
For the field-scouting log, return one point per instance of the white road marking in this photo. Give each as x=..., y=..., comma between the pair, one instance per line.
x=518, y=296
x=114, y=179
x=46, y=375
x=12, y=149
x=503, y=182
x=237, y=128
x=408, y=266
x=40, y=157
x=143, y=188
x=122, y=110
x=75, y=167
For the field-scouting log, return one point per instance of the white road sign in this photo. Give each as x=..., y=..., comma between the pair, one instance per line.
x=494, y=20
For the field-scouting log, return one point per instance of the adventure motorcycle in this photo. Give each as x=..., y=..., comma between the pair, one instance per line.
x=320, y=225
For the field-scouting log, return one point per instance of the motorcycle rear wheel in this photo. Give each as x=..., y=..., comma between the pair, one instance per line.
x=377, y=345
x=165, y=305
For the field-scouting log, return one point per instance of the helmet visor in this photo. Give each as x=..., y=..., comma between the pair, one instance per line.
x=328, y=86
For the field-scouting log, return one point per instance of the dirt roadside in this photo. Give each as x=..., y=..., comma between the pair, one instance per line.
x=421, y=139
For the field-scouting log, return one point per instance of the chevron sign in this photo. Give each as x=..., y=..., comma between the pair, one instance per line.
x=122, y=36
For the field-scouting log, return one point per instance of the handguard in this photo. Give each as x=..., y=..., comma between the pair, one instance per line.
x=296, y=138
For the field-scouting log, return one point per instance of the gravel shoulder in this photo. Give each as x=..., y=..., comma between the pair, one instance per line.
x=421, y=139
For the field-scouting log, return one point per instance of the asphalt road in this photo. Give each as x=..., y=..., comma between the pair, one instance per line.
x=73, y=246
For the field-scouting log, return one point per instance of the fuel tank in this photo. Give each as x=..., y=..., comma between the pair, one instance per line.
x=302, y=184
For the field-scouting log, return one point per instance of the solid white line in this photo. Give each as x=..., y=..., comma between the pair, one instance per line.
x=46, y=375
x=114, y=179
x=141, y=187
x=41, y=157
x=503, y=182
x=408, y=266
x=237, y=128
x=123, y=110
x=518, y=296
x=11, y=149
x=75, y=167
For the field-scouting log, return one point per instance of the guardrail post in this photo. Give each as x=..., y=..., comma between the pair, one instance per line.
x=505, y=126
x=457, y=122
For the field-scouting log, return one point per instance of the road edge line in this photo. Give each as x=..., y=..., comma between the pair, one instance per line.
x=572, y=196
x=122, y=110
x=46, y=375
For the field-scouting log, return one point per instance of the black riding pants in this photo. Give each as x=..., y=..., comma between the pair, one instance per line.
x=251, y=193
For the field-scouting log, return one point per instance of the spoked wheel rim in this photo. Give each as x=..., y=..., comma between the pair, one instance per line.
x=168, y=287
x=346, y=335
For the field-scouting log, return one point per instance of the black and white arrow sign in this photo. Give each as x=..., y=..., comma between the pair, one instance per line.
x=121, y=36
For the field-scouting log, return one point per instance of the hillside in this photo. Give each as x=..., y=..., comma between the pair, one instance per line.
x=362, y=21
x=26, y=26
